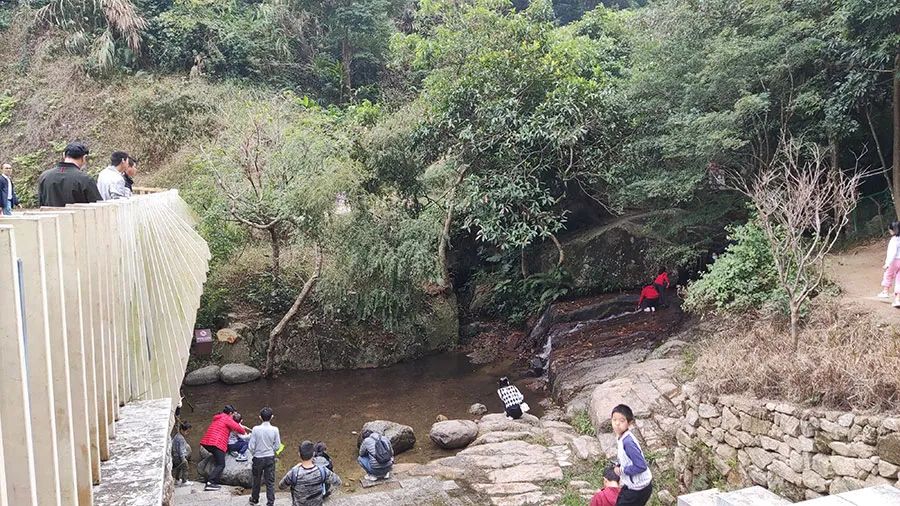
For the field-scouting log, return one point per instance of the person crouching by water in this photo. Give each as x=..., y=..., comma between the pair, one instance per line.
x=376, y=456
x=307, y=480
x=512, y=399
x=649, y=300
x=216, y=443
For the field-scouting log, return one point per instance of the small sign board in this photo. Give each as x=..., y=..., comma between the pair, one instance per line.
x=203, y=339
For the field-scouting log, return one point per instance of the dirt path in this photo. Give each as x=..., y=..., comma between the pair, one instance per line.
x=858, y=273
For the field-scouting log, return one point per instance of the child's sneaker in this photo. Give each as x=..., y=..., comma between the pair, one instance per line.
x=241, y=458
x=387, y=476
x=210, y=487
x=646, y=309
x=652, y=309
x=369, y=477
x=884, y=295
x=896, y=302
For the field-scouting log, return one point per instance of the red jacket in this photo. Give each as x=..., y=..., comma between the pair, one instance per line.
x=606, y=497
x=662, y=280
x=649, y=292
x=217, y=433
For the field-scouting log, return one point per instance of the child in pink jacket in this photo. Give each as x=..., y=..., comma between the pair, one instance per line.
x=892, y=266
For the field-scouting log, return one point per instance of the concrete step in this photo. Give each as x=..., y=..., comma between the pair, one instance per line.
x=703, y=498
x=882, y=495
x=753, y=496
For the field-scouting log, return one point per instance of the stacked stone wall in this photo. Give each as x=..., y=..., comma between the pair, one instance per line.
x=799, y=453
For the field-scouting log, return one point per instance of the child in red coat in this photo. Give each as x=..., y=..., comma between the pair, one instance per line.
x=662, y=284
x=649, y=298
x=608, y=495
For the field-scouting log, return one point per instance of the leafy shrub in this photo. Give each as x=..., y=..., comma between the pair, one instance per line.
x=742, y=279
x=7, y=103
x=583, y=424
x=515, y=298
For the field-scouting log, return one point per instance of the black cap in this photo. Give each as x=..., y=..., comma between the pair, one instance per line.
x=76, y=149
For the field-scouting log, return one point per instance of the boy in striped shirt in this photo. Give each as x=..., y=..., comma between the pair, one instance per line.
x=636, y=480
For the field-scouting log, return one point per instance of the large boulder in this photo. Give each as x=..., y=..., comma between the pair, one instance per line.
x=402, y=436
x=453, y=433
x=234, y=374
x=202, y=376
x=236, y=474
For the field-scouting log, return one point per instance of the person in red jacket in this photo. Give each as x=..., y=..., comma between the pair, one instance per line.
x=609, y=494
x=649, y=298
x=216, y=443
x=662, y=284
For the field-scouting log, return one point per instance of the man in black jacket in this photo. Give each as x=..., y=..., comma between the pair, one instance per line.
x=66, y=183
x=7, y=190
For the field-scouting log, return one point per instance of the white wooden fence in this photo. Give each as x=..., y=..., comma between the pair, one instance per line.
x=97, y=308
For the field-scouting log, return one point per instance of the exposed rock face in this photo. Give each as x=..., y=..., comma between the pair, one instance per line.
x=238, y=373
x=402, y=436
x=238, y=474
x=453, y=434
x=435, y=328
x=202, y=376
x=608, y=257
x=641, y=386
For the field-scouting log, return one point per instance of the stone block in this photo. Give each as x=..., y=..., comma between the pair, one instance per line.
x=828, y=500
x=691, y=417
x=761, y=458
x=785, y=472
x=888, y=448
x=890, y=424
x=814, y=481
x=733, y=441
x=789, y=424
x=834, y=431
x=845, y=420
x=844, y=484
x=707, y=411
x=730, y=421
x=887, y=469
x=704, y=498
x=796, y=462
x=880, y=495
x=718, y=434
x=753, y=496
x=821, y=464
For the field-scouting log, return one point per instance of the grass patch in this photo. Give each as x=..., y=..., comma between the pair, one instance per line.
x=846, y=359
x=583, y=424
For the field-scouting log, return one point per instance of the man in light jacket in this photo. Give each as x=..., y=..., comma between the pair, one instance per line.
x=265, y=441
x=111, y=180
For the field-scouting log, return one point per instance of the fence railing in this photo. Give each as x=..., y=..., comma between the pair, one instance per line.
x=97, y=307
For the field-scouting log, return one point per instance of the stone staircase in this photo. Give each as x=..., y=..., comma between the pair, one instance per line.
x=883, y=495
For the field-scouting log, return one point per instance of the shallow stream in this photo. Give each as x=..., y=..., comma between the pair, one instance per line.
x=331, y=405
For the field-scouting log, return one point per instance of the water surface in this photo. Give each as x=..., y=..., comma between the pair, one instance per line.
x=331, y=405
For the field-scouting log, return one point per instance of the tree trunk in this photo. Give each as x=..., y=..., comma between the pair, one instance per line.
x=276, y=332
x=276, y=251
x=559, y=249
x=444, y=242
x=795, y=324
x=346, y=60
x=895, y=188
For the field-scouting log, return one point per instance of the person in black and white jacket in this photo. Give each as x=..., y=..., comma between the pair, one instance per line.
x=512, y=398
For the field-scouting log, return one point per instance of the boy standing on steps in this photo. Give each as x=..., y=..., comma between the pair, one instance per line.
x=264, y=442
x=635, y=477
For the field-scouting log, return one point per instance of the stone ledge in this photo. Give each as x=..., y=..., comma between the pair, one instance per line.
x=136, y=472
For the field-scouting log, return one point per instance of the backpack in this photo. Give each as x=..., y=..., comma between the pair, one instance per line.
x=383, y=451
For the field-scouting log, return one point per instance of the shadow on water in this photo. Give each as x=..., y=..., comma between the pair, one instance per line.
x=331, y=405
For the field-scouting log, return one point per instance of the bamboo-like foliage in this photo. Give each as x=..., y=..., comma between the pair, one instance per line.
x=97, y=27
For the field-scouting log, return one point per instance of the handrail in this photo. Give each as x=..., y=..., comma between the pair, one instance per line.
x=98, y=307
